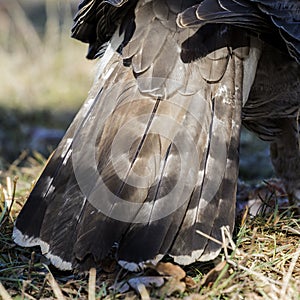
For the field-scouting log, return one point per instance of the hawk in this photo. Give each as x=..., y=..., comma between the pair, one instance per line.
x=149, y=165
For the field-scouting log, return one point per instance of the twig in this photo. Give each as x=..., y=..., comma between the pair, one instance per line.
x=4, y=293
x=212, y=239
x=92, y=284
x=42, y=289
x=9, y=194
x=225, y=231
x=288, y=276
x=13, y=195
x=262, y=277
x=266, y=280
x=291, y=230
x=143, y=292
x=225, y=244
x=30, y=264
x=55, y=287
x=29, y=296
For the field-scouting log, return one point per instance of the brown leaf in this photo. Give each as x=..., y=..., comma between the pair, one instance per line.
x=195, y=297
x=171, y=286
x=213, y=274
x=190, y=283
x=139, y=284
x=120, y=287
x=130, y=296
x=147, y=281
x=169, y=269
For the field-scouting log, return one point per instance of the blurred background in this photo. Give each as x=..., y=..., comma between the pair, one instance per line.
x=45, y=77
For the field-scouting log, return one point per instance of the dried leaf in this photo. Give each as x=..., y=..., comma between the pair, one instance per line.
x=172, y=285
x=169, y=269
x=139, y=284
x=213, y=274
x=147, y=281
x=195, y=297
x=190, y=283
x=130, y=296
x=120, y=287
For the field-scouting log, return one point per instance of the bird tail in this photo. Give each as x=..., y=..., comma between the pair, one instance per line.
x=149, y=165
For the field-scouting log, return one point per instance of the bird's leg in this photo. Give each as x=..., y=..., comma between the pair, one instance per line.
x=285, y=155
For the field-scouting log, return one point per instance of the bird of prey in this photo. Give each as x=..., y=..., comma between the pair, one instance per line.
x=149, y=166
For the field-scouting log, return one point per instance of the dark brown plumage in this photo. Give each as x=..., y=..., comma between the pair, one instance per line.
x=149, y=165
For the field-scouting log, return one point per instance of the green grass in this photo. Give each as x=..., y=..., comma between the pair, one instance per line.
x=264, y=261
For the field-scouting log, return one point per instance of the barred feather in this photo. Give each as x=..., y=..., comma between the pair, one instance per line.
x=149, y=165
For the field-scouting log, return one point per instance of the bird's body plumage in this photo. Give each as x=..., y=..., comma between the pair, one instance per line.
x=149, y=165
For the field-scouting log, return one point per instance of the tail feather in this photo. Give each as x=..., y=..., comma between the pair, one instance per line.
x=151, y=158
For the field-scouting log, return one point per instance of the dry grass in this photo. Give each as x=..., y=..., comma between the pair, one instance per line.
x=264, y=262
